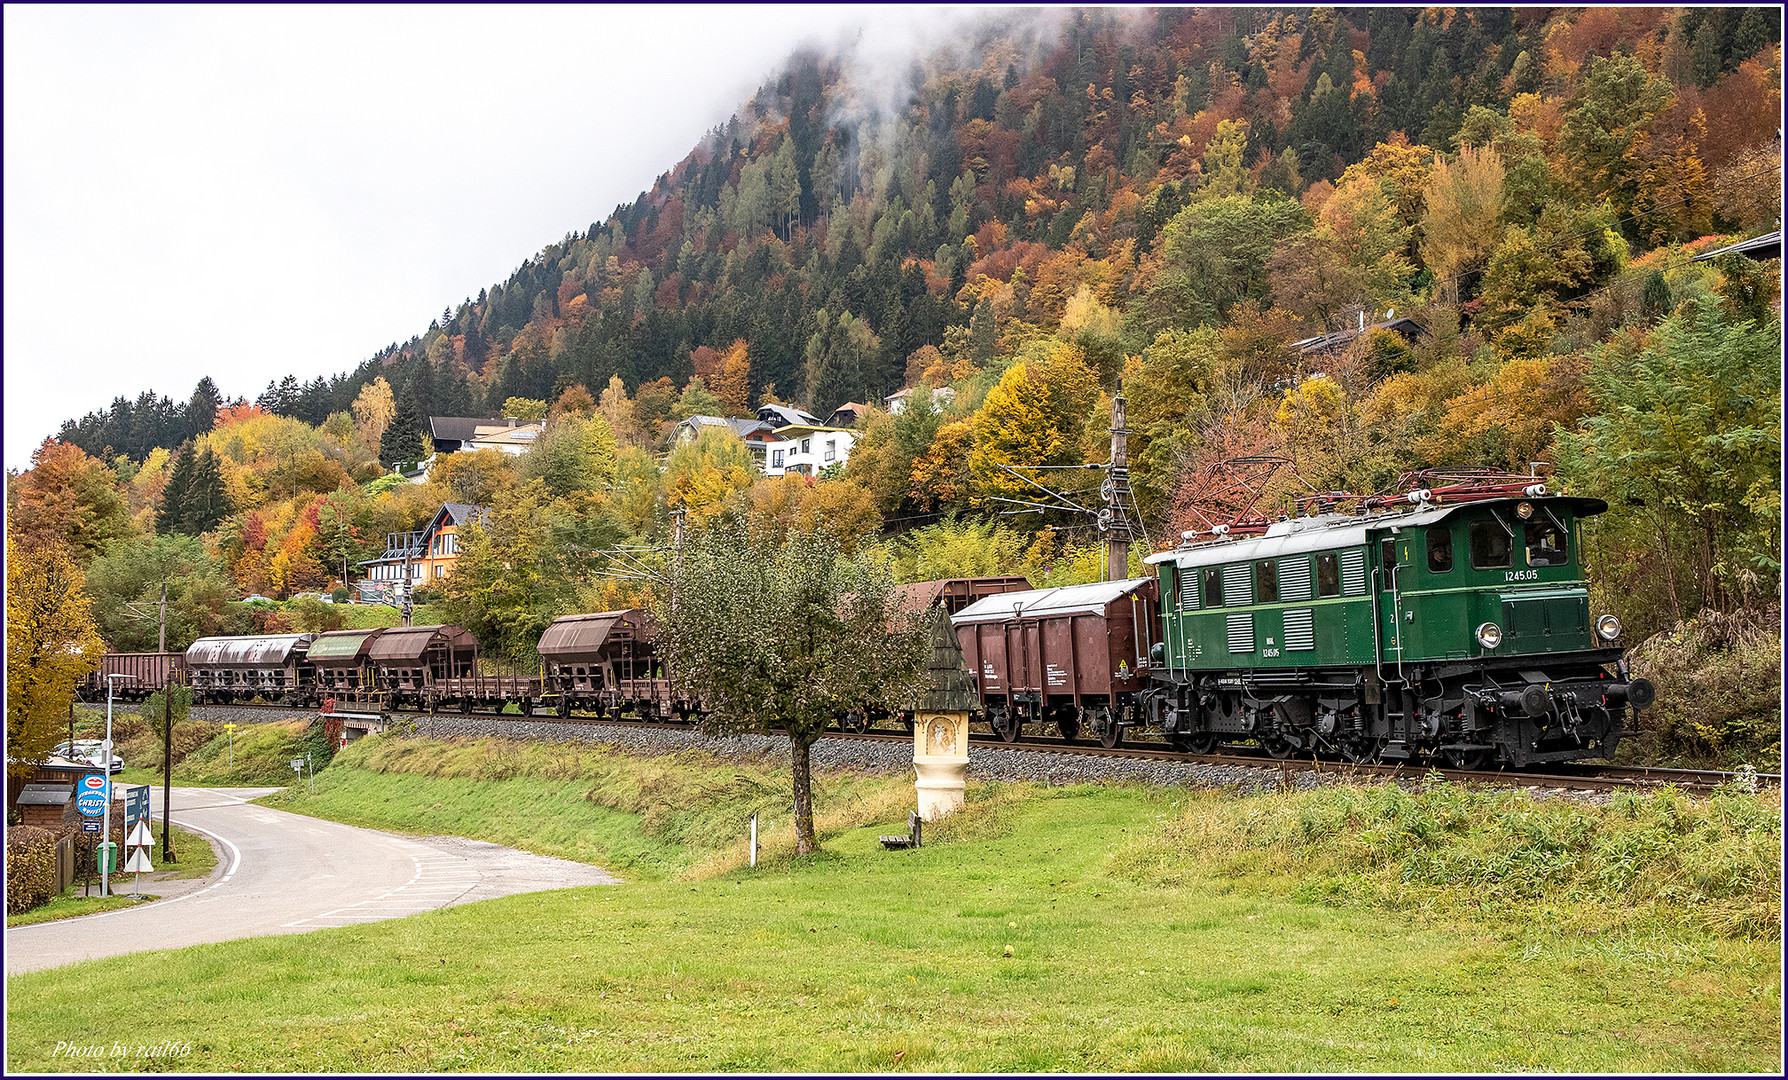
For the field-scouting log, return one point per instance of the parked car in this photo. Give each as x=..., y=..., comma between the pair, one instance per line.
x=257, y=598
x=88, y=751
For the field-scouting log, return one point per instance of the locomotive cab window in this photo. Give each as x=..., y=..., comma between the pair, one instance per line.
x=1266, y=582
x=1490, y=548
x=1546, y=545
x=1440, y=549
x=1213, y=587
x=1328, y=575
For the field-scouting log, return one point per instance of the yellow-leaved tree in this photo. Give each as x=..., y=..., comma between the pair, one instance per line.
x=1032, y=417
x=51, y=645
x=373, y=410
x=1463, y=219
x=699, y=475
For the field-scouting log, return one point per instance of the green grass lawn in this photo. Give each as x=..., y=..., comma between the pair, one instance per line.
x=1070, y=929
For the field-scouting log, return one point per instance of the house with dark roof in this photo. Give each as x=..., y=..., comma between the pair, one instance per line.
x=756, y=433
x=783, y=415
x=1324, y=343
x=454, y=433
x=847, y=414
x=428, y=554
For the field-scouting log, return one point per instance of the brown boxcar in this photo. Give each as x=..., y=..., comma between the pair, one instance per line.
x=607, y=661
x=342, y=661
x=148, y=673
x=409, y=662
x=1076, y=656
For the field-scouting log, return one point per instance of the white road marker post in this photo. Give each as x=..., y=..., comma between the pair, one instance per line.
x=754, y=839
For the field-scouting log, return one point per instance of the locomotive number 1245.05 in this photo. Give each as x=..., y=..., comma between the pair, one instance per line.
x=1522, y=575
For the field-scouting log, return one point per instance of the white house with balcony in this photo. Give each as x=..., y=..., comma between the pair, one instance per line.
x=807, y=449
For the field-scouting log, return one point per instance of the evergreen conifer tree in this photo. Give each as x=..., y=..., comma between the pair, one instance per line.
x=207, y=503
x=402, y=441
x=173, y=493
x=201, y=409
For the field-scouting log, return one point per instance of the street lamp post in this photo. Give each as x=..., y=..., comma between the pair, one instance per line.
x=105, y=877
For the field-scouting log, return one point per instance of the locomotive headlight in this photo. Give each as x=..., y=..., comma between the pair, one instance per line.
x=1608, y=627
x=1524, y=511
x=1489, y=635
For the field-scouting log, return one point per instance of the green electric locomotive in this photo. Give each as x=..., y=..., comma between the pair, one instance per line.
x=1456, y=631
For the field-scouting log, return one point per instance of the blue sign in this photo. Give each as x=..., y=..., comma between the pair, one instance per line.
x=136, y=807
x=90, y=826
x=91, y=803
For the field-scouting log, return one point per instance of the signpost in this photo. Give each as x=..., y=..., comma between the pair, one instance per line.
x=138, y=842
x=231, y=730
x=136, y=807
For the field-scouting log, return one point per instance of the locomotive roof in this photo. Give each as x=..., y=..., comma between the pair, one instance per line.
x=1089, y=599
x=577, y=638
x=263, y=651
x=1327, y=532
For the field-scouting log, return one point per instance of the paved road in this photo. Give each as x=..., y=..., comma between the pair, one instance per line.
x=281, y=873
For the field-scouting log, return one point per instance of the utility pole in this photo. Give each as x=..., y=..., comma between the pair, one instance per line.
x=161, y=633
x=1115, y=520
x=677, y=517
x=405, y=605
x=167, y=762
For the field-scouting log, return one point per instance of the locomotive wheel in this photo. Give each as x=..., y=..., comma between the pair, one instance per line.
x=1362, y=750
x=527, y=706
x=1469, y=760
x=465, y=706
x=564, y=708
x=1069, y=726
x=1278, y=746
x=1113, y=736
x=1202, y=742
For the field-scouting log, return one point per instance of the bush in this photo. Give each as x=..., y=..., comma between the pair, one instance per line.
x=1719, y=680
x=30, y=868
x=340, y=595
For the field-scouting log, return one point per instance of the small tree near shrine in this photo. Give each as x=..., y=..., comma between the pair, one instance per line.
x=786, y=636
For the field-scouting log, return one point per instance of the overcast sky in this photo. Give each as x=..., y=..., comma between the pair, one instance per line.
x=253, y=192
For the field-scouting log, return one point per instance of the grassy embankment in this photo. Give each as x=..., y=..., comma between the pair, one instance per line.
x=202, y=750
x=195, y=856
x=1081, y=929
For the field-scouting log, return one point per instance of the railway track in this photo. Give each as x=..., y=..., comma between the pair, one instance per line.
x=1578, y=777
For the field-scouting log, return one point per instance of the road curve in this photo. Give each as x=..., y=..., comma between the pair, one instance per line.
x=281, y=873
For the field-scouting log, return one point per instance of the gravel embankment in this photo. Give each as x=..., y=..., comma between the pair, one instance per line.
x=229, y=714
x=985, y=763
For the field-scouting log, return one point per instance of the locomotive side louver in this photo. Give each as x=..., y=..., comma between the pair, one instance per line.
x=1294, y=579
x=1353, y=573
x=1300, y=631
x=1188, y=589
x=1241, y=632
x=1237, y=587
